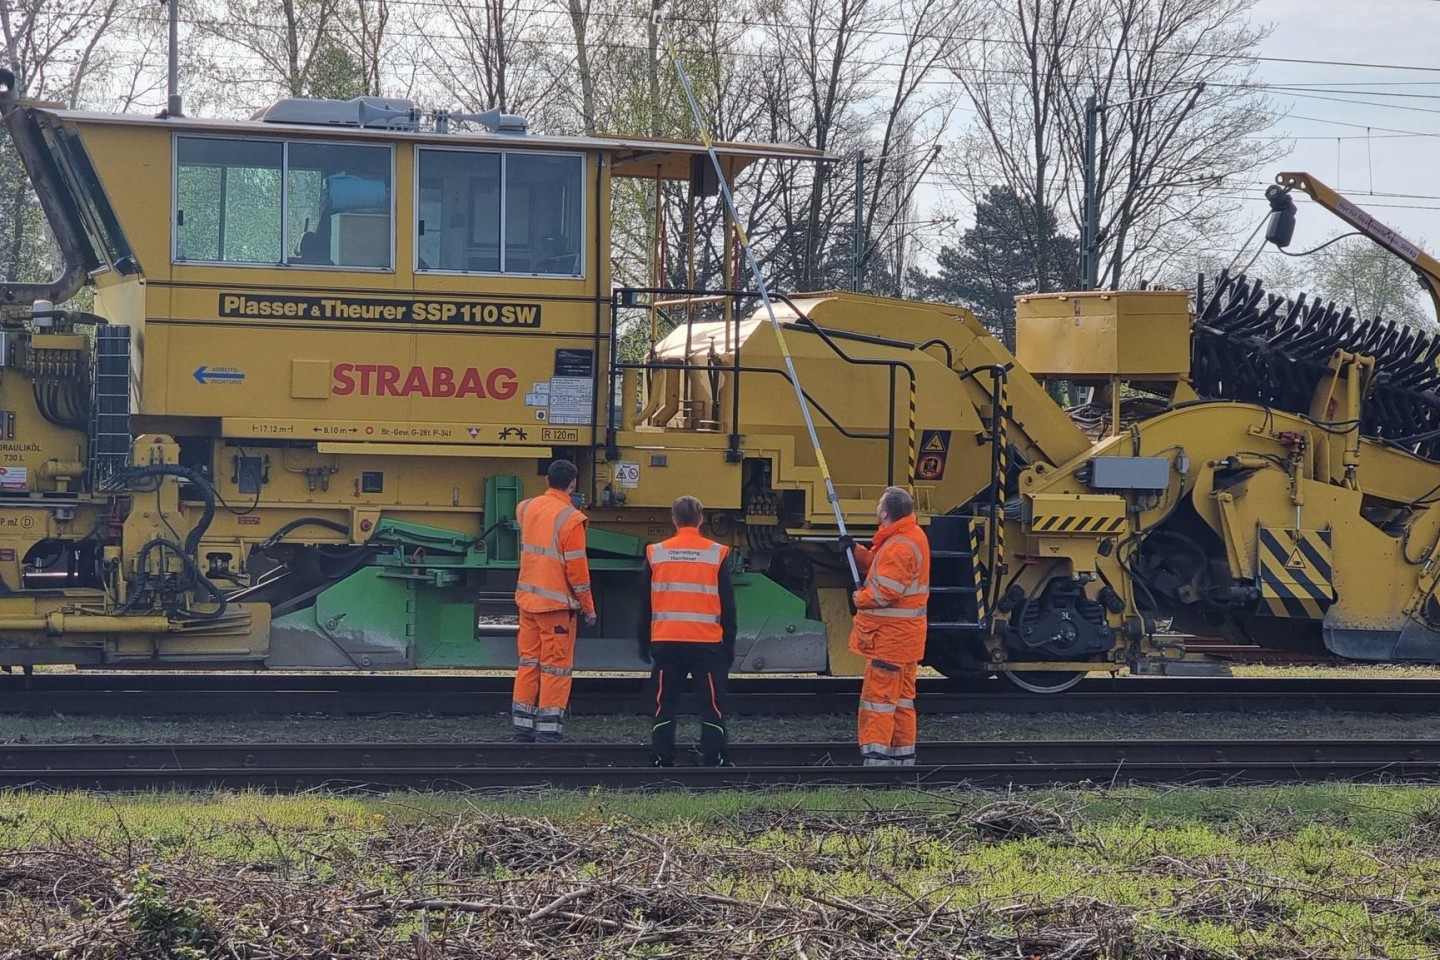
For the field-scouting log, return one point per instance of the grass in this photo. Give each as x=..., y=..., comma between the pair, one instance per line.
x=1318, y=870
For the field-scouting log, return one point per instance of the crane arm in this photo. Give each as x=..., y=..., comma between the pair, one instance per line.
x=1426, y=267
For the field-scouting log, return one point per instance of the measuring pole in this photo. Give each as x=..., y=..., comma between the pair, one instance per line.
x=749, y=254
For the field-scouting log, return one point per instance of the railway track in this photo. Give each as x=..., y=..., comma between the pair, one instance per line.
x=236, y=694
x=431, y=766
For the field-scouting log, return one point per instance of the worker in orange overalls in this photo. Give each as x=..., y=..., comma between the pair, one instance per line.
x=688, y=627
x=554, y=584
x=890, y=629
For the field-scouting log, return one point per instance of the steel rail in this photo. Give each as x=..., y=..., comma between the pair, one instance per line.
x=429, y=766
x=267, y=694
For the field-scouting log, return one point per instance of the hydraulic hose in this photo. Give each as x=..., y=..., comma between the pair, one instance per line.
x=197, y=532
x=754, y=268
x=294, y=525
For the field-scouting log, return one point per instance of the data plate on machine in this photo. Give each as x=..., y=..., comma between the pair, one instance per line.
x=390, y=432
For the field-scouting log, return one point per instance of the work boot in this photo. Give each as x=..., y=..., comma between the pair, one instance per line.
x=658, y=761
x=719, y=760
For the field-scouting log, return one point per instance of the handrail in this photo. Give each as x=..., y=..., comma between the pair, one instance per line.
x=892, y=364
x=688, y=367
x=627, y=298
x=999, y=468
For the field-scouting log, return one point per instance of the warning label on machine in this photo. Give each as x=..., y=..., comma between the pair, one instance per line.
x=459, y=312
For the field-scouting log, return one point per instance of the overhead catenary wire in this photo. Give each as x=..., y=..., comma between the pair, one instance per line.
x=760, y=286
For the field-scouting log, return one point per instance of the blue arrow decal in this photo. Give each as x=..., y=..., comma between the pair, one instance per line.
x=204, y=375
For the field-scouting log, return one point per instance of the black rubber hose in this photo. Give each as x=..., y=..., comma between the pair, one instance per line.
x=293, y=525
x=192, y=539
x=193, y=578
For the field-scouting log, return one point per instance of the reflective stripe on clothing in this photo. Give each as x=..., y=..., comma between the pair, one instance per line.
x=564, y=598
x=554, y=573
x=685, y=588
x=886, y=718
x=684, y=618
x=897, y=613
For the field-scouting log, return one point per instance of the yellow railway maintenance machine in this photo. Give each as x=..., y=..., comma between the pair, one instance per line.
x=334, y=345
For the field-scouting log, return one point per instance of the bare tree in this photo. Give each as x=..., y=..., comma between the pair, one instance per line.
x=498, y=53
x=364, y=29
x=54, y=50
x=288, y=39
x=1161, y=164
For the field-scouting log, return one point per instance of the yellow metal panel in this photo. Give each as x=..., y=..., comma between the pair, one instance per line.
x=310, y=379
x=835, y=613
x=428, y=450
x=1066, y=514
x=1101, y=333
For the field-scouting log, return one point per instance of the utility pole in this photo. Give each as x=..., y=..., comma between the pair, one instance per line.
x=173, y=107
x=857, y=255
x=1090, y=214
x=1089, y=245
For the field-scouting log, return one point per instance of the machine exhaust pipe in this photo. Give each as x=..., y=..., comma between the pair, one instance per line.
x=30, y=147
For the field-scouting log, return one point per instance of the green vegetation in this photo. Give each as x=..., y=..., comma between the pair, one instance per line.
x=1324, y=870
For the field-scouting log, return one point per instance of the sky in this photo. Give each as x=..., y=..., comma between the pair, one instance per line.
x=1396, y=178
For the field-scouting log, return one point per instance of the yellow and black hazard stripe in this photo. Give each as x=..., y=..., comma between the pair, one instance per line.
x=1078, y=524
x=1002, y=467
x=1294, y=573
x=977, y=566
x=913, y=448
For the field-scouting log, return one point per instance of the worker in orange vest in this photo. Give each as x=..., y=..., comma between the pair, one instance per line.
x=889, y=629
x=688, y=627
x=553, y=586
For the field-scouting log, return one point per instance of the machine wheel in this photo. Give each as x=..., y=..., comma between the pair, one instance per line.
x=1043, y=681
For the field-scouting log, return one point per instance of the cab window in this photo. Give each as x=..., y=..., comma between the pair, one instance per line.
x=500, y=212
x=272, y=202
x=228, y=200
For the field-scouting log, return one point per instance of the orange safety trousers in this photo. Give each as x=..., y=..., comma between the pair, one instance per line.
x=887, y=714
x=542, y=681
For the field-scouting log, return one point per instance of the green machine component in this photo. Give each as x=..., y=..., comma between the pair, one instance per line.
x=421, y=599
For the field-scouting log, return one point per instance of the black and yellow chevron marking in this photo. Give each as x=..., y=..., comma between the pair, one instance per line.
x=914, y=446
x=1002, y=477
x=1077, y=524
x=1294, y=572
x=977, y=564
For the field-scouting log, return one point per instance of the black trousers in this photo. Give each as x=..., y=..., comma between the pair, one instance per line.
x=709, y=664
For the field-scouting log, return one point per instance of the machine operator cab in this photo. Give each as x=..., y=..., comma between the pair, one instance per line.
x=235, y=250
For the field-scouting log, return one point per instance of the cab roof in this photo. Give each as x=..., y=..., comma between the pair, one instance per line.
x=648, y=158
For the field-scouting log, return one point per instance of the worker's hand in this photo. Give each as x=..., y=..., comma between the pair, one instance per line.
x=846, y=542
x=590, y=619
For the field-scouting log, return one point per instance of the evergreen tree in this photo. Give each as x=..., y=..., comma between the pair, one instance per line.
x=998, y=259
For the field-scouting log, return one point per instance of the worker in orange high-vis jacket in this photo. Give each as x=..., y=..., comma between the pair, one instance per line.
x=889, y=629
x=687, y=628
x=553, y=586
